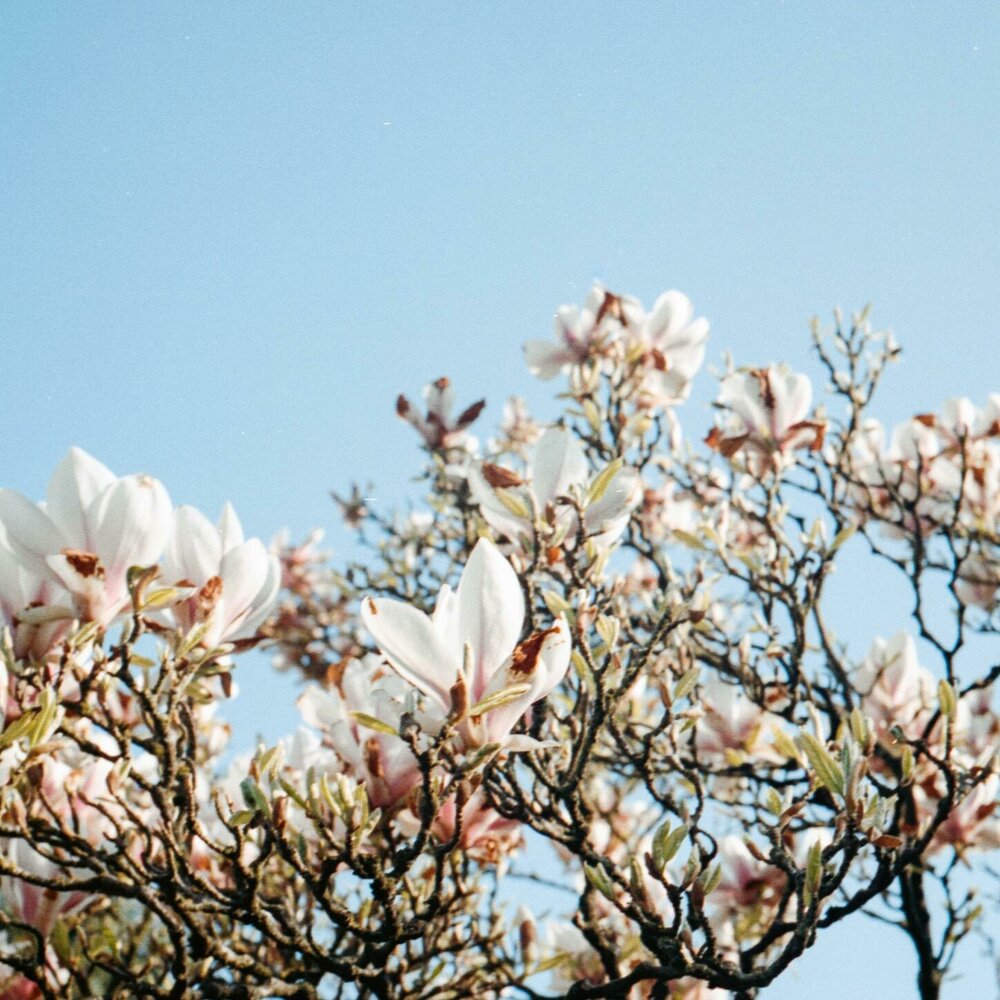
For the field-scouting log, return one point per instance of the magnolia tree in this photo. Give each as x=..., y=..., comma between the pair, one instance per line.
x=598, y=648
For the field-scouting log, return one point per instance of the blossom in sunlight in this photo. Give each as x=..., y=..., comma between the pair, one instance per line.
x=768, y=412
x=366, y=688
x=22, y=588
x=235, y=580
x=92, y=528
x=467, y=653
x=557, y=469
x=674, y=344
x=581, y=333
x=437, y=427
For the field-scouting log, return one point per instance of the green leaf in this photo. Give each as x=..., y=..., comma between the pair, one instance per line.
x=370, y=722
x=822, y=762
x=598, y=878
x=498, y=699
x=666, y=843
x=600, y=485
x=686, y=684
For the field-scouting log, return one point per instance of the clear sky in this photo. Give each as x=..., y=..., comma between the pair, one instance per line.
x=231, y=233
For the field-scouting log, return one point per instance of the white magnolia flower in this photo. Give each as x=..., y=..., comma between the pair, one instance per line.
x=92, y=528
x=675, y=347
x=578, y=332
x=769, y=411
x=468, y=651
x=236, y=579
x=383, y=760
x=557, y=468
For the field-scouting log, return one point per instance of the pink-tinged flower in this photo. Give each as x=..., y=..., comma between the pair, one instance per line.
x=72, y=794
x=974, y=824
x=675, y=348
x=486, y=835
x=382, y=760
x=732, y=721
x=22, y=590
x=437, y=427
x=468, y=650
x=978, y=581
x=236, y=580
x=579, y=333
x=557, y=469
x=17, y=987
x=747, y=885
x=92, y=528
x=769, y=409
x=895, y=689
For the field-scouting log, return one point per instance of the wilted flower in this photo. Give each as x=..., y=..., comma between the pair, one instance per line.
x=436, y=427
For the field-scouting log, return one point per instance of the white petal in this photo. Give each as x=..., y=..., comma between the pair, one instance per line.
x=558, y=462
x=494, y=512
x=671, y=312
x=133, y=519
x=230, y=529
x=491, y=612
x=244, y=571
x=546, y=360
x=77, y=481
x=30, y=533
x=263, y=601
x=621, y=497
x=792, y=399
x=320, y=709
x=194, y=551
x=411, y=644
x=543, y=673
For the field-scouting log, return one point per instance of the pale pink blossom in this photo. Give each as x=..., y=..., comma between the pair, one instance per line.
x=557, y=469
x=895, y=689
x=382, y=760
x=235, y=580
x=746, y=883
x=91, y=530
x=485, y=836
x=768, y=417
x=974, y=824
x=581, y=332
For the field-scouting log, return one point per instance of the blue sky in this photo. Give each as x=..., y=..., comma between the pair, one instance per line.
x=231, y=233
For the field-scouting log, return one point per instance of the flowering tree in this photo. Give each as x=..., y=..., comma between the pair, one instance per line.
x=600, y=638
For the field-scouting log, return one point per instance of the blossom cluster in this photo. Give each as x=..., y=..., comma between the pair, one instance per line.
x=596, y=647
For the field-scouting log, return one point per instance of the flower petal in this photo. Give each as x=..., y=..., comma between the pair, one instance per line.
x=413, y=647
x=491, y=612
x=558, y=463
